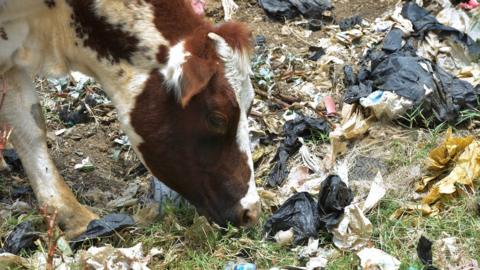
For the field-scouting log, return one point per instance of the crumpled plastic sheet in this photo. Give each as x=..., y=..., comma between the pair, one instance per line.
x=300, y=213
x=375, y=259
x=110, y=258
x=305, y=216
x=423, y=22
x=95, y=258
x=424, y=252
x=289, y=9
x=300, y=127
x=386, y=105
x=417, y=79
x=334, y=196
x=22, y=237
x=393, y=40
x=105, y=226
x=354, y=230
x=460, y=154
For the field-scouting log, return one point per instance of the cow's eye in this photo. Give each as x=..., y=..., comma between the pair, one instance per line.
x=217, y=122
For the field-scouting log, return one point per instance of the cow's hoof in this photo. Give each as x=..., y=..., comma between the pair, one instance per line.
x=74, y=223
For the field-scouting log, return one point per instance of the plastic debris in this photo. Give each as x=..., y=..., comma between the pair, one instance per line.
x=330, y=106
x=22, y=237
x=423, y=22
x=414, y=78
x=460, y=157
x=354, y=230
x=315, y=53
x=334, y=196
x=12, y=160
x=240, y=266
x=376, y=193
x=375, y=259
x=126, y=198
x=424, y=252
x=349, y=23
x=284, y=238
x=110, y=258
x=386, y=105
x=301, y=126
x=85, y=166
x=299, y=213
x=393, y=41
x=105, y=226
x=289, y=9
x=305, y=216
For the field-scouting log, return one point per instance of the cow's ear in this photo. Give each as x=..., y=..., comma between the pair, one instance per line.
x=197, y=73
x=237, y=35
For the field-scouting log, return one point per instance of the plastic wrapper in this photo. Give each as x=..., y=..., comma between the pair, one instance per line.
x=22, y=237
x=105, y=226
x=300, y=213
x=289, y=9
x=300, y=127
x=334, y=196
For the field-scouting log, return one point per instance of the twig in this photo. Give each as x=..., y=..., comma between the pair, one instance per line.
x=52, y=234
x=274, y=99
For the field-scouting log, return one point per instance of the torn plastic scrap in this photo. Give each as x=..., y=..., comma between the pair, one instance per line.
x=376, y=259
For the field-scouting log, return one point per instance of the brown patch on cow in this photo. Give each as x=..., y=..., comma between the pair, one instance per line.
x=108, y=40
x=162, y=54
x=36, y=112
x=3, y=34
x=50, y=3
x=237, y=35
x=193, y=27
x=175, y=19
x=206, y=166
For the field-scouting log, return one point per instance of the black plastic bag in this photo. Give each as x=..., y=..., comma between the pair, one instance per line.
x=393, y=41
x=22, y=237
x=409, y=76
x=13, y=160
x=424, y=252
x=105, y=226
x=289, y=9
x=299, y=127
x=298, y=212
x=423, y=22
x=334, y=196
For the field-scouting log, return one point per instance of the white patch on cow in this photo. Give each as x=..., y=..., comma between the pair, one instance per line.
x=173, y=71
x=16, y=33
x=237, y=72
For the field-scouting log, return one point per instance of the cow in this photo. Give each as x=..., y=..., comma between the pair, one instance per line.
x=181, y=87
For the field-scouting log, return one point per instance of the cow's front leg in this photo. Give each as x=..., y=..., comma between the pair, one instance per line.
x=22, y=111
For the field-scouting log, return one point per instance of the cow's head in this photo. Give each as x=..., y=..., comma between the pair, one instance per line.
x=192, y=117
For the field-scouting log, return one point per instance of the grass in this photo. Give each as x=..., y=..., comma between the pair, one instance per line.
x=188, y=242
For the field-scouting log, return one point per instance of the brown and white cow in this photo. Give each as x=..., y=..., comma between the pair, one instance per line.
x=180, y=85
